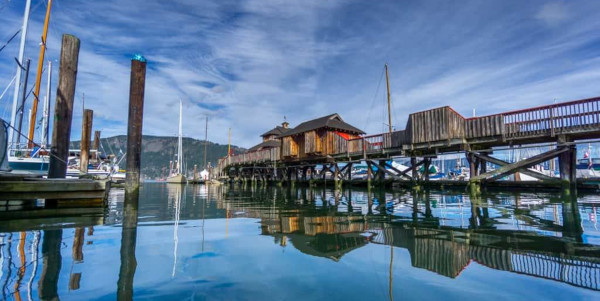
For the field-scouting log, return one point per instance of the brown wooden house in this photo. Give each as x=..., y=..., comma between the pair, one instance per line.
x=272, y=139
x=318, y=137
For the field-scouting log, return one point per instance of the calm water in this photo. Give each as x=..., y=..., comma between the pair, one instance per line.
x=194, y=242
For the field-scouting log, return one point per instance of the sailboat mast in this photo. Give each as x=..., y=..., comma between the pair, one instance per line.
x=205, y=141
x=389, y=98
x=180, y=141
x=229, y=144
x=47, y=107
x=38, y=79
x=13, y=116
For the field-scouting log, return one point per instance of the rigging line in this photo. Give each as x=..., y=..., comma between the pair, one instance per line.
x=374, y=97
x=8, y=86
x=10, y=40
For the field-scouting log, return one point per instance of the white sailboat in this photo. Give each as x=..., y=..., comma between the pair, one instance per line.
x=27, y=157
x=177, y=176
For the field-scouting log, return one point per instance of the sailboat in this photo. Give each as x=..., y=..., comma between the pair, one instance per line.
x=176, y=175
x=28, y=157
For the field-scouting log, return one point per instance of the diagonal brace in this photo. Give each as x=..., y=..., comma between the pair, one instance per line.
x=513, y=167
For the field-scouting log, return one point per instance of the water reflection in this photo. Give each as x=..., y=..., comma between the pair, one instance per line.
x=533, y=235
x=128, y=244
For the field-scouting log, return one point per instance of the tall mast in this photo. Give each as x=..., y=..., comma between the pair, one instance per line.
x=180, y=141
x=22, y=106
x=13, y=116
x=229, y=144
x=205, y=141
x=38, y=78
x=389, y=98
x=46, y=119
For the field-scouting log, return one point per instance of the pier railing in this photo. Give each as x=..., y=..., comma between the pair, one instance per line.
x=555, y=119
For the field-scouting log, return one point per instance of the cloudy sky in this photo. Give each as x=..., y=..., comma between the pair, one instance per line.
x=247, y=64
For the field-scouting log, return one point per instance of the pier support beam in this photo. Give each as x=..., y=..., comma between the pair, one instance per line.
x=86, y=135
x=134, y=124
x=63, y=109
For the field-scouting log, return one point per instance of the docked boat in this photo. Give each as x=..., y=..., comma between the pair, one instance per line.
x=176, y=175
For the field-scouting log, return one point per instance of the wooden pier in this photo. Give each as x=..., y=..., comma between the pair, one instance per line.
x=427, y=134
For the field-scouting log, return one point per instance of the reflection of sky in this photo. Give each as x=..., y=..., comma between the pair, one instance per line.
x=228, y=258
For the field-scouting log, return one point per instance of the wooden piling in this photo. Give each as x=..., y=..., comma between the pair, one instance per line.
x=86, y=133
x=134, y=125
x=96, y=145
x=63, y=108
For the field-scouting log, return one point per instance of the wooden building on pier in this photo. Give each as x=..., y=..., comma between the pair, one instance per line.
x=272, y=138
x=319, y=137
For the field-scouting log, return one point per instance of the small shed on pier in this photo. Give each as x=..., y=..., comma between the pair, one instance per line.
x=318, y=137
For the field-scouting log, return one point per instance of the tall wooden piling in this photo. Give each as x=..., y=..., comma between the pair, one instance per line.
x=86, y=135
x=96, y=145
x=134, y=125
x=63, y=108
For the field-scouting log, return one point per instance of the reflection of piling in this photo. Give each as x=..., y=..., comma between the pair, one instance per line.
x=86, y=136
x=63, y=108
x=134, y=125
x=78, y=244
x=128, y=243
x=52, y=261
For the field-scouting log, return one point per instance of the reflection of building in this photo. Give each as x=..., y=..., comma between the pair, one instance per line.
x=446, y=250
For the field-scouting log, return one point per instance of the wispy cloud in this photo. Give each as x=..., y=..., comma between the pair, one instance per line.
x=247, y=64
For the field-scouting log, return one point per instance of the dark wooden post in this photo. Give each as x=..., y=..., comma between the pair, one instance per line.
x=413, y=168
x=96, y=145
x=426, y=165
x=86, y=135
x=483, y=163
x=134, y=125
x=63, y=108
x=380, y=171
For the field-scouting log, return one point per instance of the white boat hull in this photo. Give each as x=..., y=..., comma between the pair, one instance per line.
x=178, y=179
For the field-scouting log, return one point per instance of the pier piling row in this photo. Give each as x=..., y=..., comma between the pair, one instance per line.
x=428, y=134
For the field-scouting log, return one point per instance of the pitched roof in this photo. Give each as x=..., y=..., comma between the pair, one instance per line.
x=278, y=130
x=265, y=144
x=333, y=121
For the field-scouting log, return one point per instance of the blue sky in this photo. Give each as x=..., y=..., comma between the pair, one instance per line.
x=247, y=64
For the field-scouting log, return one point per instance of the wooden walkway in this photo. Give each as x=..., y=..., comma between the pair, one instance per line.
x=443, y=130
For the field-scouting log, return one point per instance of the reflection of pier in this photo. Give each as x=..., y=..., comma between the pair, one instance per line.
x=449, y=252
x=332, y=229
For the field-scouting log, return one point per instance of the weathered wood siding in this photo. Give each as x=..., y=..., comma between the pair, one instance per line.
x=312, y=143
x=484, y=126
x=336, y=144
x=399, y=138
x=289, y=147
x=435, y=125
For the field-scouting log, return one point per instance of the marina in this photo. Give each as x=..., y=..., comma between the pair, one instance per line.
x=114, y=190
